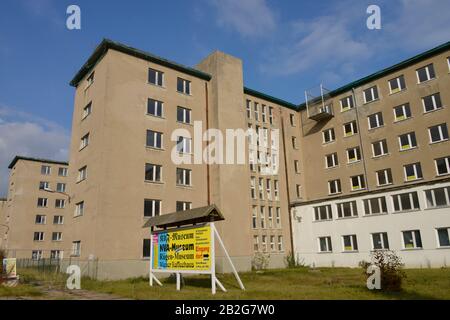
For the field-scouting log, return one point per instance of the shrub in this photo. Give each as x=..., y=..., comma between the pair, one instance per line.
x=390, y=266
x=292, y=261
x=260, y=261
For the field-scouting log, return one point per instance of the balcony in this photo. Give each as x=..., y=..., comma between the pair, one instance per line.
x=319, y=105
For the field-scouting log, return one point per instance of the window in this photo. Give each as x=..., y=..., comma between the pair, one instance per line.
x=153, y=172
x=438, y=133
x=152, y=208
x=155, y=108
x=254, y=217
x=90, y=80
x=322, y=213
x=87, y=111
x=278, y=217
x=426, y=73
x=350, y=129
x=375, y=120
x=146, y=248
x=402, y=112
x=184, y=145
x=331, y=160
x=443, y=237
x=407, y=141
x=262, y=217
x=370, y=94
x=183, y=177
x=154, y=139
x=325, y=244
x=183, y=115
x=256, y=110
x=44, y=185
x=61, y=187
x=438, y=198
x=448, y=62
x=443, y=166
x=269, y=189
x=297, y=166
x=38, y=236
x=412, y=239
x=328, y=135
x=58, y=220
x=56, y=254
x=406, y=201
x=255, y=243
x=45, y=170
x=79, y=209
x=76, y=248
x=253, y=187
x=60, y=203
x=40, y=219
x=263, y=113
x=82, y=174
x=264, y=243
x=183, y=205
x=347, y=103
x=375, y=206
x=350, y=243
x=432, y=102
x=413, y=171
x=276, y=190
x=280, y=243
x=294, y=142
x=292, y=120
x=357, y=182
x=183, y=86
x=270, y=115
x=379, y=148
x=298, y=189
x=248, y=108
x=56, y=236
x=380, y=241
x=156, y=77
x=36, y=255
x=353, y=155
x=62, y=172
x=261, y=188
x=334, y=186
x=397, y=84
x=84, y=141
x=42, y=202
x=384, y=177
x=347, y=209
x=272, y=243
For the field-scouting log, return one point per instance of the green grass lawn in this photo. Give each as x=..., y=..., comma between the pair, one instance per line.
x=302, y=283
x=23, y=290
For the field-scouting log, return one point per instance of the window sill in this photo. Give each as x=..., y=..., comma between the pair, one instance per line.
x=371, y=101
x=375, y=215
x=411, y=181
x=353, y=162
x=435, y=110
x=346, y=110
x=401, y=120
x=384, y=185
x=356, y=190
x=442, y=175
x=185, y=94
x=350, y=251
x=438, y=207
x=335, y=194
x=443, y=248
x=154, y=182
x=373, y=129
x=397, y=92
x=324, y=220
x=409, y=149
x=154, y=148
x=380, y=156
x=329, y=168
x=328, y=143
x=184, y=186
x=411, y=249
x=155, y=116
x=350, y=135
x=437, y=142
x=346, y=218
x=324, y=252
x=406, y=211
x=186, y=123
x=426, y=81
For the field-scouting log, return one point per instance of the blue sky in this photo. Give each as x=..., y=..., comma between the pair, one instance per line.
x=286, y=46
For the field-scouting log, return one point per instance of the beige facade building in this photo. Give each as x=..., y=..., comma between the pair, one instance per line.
x=35, y=209
x=359, y=168
x=3, y=226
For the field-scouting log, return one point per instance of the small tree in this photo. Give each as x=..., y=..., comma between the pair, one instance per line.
x=260, y=261
x=390, y=266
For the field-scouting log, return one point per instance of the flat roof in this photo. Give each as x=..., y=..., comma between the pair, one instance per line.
x=272, y=99
x=107, y=44
x=17, y=158
x=401, y=65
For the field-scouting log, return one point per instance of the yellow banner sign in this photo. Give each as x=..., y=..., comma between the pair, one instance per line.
x=182, y=249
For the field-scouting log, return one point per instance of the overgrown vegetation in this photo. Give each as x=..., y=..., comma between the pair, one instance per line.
x=260, y=261
x=292, y=261
x=390, y=266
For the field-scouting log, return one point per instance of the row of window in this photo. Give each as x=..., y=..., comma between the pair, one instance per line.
x=43, y=203
x=45, y=185
x=380, y=241
x=275, y=243
x=39, y=236
x=47, y=170
x=408, y=201
x=156, y=109
x=412, y=172
x=54, y=254
x=266, y=112
x=153, y=173
x=42, y=219
x=157, y=78
x=273, y=221
x=153, y=207
x=265, y=189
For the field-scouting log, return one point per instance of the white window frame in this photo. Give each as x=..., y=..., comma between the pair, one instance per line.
x=187, y=86
x=261, y=189
x=253, y=187
x=60, y=203
x=40, y=236
x=269, y=189
x=56, y=254
x=447, y=162
x=413, y=233
x=255, y=243
x=46, y=170
x=433, y=100
x=361, y=183
x=437, y=236
x=440, y=131
x=353, y=209
x=272, y=243
x=378, y=119
x=262, y=217
x=153, y=207
x=158, y=75
x=185, y=112
x=349, y=100
x=79, y=209
x=82, y=174
x=264, y=243
x=263, y=113
x=58, y=236
x=354, y=130
x=372, y=91
x=87, y=110
x=59, y=220
x=380, y=205
x=60, y=187
x=357, y=153
x=427, y=73
x=399, y=84
x=155, y=140
x=416, y=171
x=400, y=206
x=254, y=217
x=248, y=108
x=76, y=248
x=42, y=220
x=270, y=217
x=297, y=166
x=384, y=246
x=256, y=110
x=43, y=185
x=331, y=134
x=410, y=144
x=158, y=106
x=36, y=255
x=336, y=184
x=186, y=173
x=386, y=176
x=328, y=244
x=44, y=203
x=280, y=243
x=404, y=113
x=276, y=190
x=334, y=160
x=184, y=145
x=381, y=144
x=353, y=241
x=278, y=217
x=156, y=168
x=328, y=212
x=270, y=115
x=432, y=192
x=64, y=172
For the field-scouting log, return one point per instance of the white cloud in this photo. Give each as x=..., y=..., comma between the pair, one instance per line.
x=27, y=135
x=250, y=18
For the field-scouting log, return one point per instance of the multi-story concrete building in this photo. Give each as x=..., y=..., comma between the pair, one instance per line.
x=360, y=168
x=378, y=156
x=3, y=226
x=35, y=208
